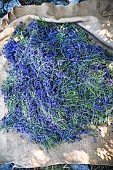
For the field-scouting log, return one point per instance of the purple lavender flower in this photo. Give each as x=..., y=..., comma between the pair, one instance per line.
x=58, y=84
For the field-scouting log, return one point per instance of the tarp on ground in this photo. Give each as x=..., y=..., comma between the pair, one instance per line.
x=96, y=17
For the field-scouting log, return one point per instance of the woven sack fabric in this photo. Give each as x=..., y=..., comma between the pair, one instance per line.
x=96, y=17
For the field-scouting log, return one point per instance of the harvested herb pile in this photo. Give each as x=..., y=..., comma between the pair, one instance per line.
x=59, y=85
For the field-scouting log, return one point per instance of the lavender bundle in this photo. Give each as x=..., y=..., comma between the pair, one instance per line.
x=59, y=85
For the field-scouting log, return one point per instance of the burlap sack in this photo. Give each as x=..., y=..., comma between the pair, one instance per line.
x=96, y=16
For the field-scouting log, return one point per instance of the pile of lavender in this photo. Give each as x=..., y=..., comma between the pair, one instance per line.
x=59, y=84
